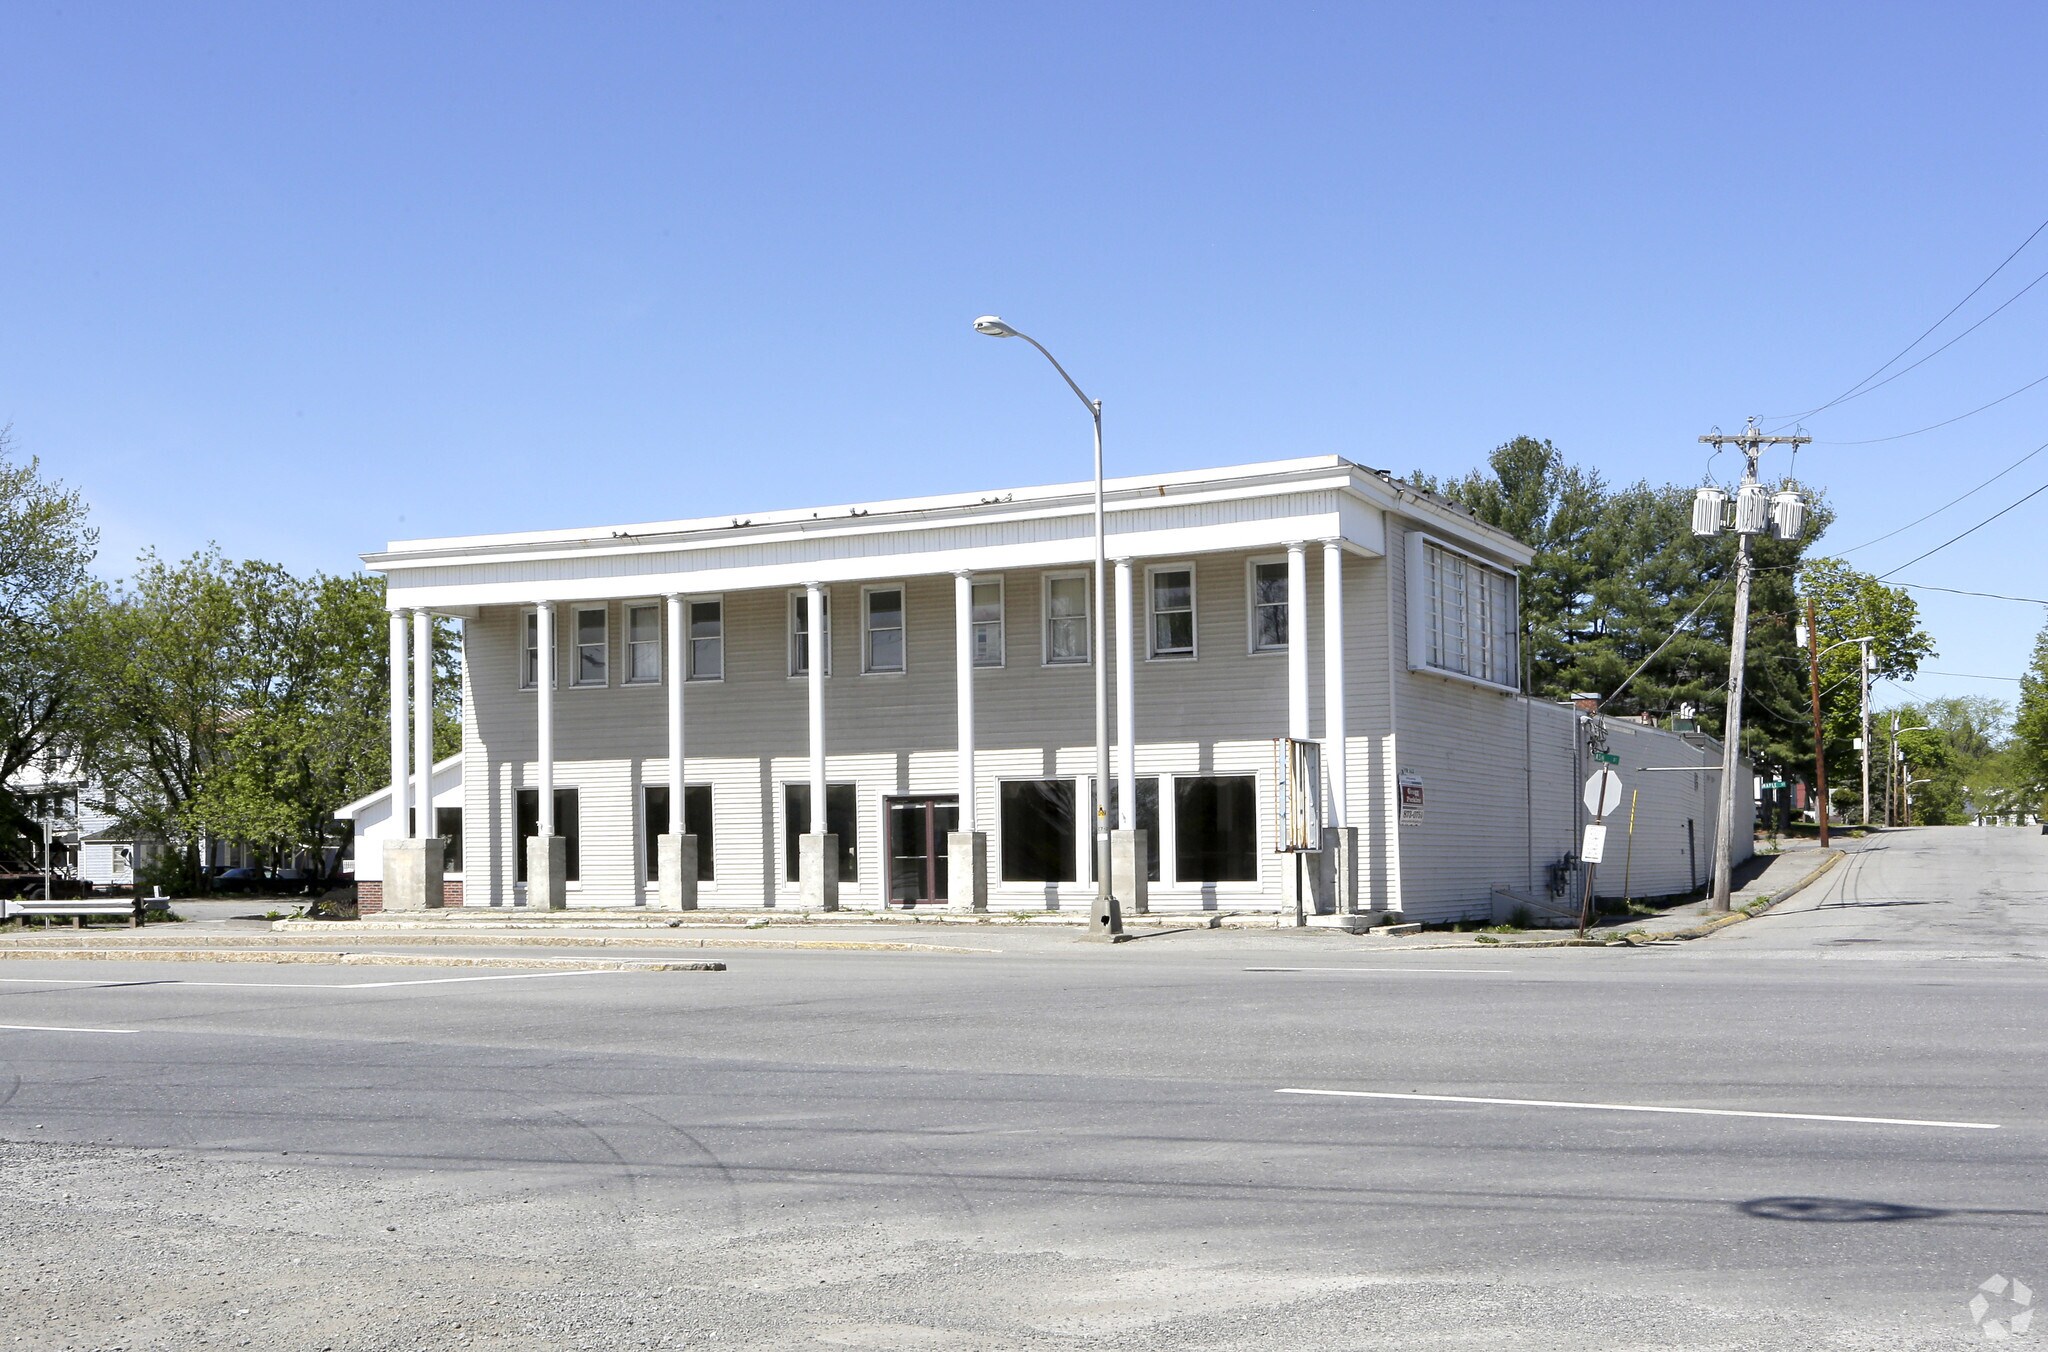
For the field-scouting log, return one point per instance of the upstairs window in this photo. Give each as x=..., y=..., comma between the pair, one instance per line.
x=1066, y=618
x=707, y=640
x=529, y=658
x=1171, y=594
x=884, y=643
x=986, y=616
x=800, y=634
x=1269, y=606
x=1463, y=616
x=643, y=644
x=593, y=646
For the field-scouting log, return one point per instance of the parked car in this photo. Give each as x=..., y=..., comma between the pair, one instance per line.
x=233, y=880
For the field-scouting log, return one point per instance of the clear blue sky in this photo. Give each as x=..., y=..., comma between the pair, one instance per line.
x=304, y=279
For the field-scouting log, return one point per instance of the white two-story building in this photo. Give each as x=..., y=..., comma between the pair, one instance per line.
x=651, y=712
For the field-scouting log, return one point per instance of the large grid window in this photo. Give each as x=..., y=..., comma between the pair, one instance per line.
x=884, y=624
x=986, y=615
x=696, y=822
x=593, y=646
x=1066, y=618
x=1468, y=623
x=841, y=820
x=707, y=640
x=526, y=811
x=1038, y=830
x=643, y=644
x=800, y=633
x=1216, y=828
x=1171, y=596
x=1269, y=606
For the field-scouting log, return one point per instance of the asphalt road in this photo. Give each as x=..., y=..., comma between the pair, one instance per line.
x=1064, y=1144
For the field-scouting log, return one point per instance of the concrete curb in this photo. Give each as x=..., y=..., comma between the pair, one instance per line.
x=1701, y=931
x=342, y=931
x=356, y=959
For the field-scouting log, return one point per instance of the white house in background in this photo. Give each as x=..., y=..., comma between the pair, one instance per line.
x=373, y=825
x=924, y=666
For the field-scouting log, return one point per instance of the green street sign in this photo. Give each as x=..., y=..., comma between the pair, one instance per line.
x=1775, y=784
x=1608, y=758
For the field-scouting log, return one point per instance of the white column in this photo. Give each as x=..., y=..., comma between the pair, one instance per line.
x=1334, y=726
x=678, y=671
x=423, y=720
x=401, y=773
x=820, y=647
x=1297, y=640
x=963, y=698
x=544, y=701
x=1126, y=703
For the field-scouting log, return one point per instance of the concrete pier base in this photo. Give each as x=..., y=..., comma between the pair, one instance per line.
x=817, y=870
x=1127, y=871
x=412, y=874
x=967, y=869
x=547, y=873
x=675, y=860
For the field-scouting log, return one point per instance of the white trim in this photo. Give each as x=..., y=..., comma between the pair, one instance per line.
x=867, y=591
x=1087, y=617
x=1152, y=653
x=689, y=639
x=626, y=609
x=1001, y=621
x=576, y=645
x=1252, y=607
x=789, y=634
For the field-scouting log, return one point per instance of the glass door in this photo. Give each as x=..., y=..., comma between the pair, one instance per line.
x=917, y=829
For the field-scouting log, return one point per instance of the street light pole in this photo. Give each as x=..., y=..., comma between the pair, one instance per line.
x=1820, y=755
x=1106, y=919
x=1865, y=673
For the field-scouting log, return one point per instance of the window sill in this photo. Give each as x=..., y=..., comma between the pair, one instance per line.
x=1462, y=679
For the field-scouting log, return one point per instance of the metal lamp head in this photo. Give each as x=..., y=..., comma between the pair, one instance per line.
x=994, y=327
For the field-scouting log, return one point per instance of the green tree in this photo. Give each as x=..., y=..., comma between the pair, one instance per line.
x=1619, y=582
x=2030, y=729
x=45, y=549
x=1850, y=604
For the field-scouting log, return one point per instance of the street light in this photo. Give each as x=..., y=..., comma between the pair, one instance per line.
x=1808, y=635
x=1898, y=758
x=1107, y=919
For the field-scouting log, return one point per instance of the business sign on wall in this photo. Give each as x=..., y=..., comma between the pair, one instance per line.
x=1411, y=798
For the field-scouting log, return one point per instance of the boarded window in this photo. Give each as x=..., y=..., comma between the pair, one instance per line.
x=1216, y=828
x=696, y=822
x=567, y=826
x=1038, y=830
x=1146, y=819
x=448, y=826
x=841, y=820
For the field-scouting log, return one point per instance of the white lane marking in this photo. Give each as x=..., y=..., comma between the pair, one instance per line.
x=1476, y=971
x=1644, y=1108
x=46, y=1028
x=303, y=985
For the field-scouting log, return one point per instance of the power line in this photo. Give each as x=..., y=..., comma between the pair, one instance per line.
x=1967, y=676
x=1858, y=386
x=1951, y=502
x=1971, y=531
x=1901, y=436
x=1958, y=591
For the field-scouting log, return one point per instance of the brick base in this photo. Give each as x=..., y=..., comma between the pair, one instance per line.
x=370, y=895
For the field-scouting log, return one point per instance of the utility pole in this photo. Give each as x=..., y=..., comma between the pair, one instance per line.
x=1755, y=512
x=1866, y=731
x=1820, y=757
